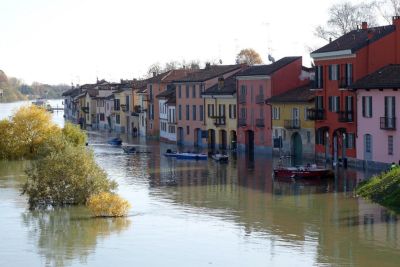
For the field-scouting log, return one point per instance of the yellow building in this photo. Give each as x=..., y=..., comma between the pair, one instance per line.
x=220, y=114
x=123, y=109
x=293, y=133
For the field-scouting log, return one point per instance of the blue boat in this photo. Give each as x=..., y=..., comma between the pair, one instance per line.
x=193, y=156
x=115, y=141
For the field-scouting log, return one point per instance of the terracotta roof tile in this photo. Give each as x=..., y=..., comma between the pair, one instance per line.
x=267, y=69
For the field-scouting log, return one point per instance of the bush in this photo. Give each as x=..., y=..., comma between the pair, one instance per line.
x=108, y=205
x=65, y=177
x=383, y=189
x=73, y=134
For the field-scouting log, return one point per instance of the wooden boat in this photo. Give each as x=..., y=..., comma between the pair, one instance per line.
x=303, y=172
x=170, y=154
x=115, y=141
x=220, y=158
x=129, y=149
x=193, y=156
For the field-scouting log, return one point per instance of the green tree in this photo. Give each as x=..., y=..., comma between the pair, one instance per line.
x=248, y=56
x=66, y=177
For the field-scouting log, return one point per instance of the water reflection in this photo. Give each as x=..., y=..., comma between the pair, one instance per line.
x=67, y=234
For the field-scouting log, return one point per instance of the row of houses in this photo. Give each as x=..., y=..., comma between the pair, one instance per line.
x=343, y=110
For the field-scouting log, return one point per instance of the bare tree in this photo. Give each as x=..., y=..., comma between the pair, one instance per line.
x=154, y=69
x=248, y=56
x=388, y=8
x=172, y=65
x=345, y=17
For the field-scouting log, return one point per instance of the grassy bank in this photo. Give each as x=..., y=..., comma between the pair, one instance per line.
x=383, y=189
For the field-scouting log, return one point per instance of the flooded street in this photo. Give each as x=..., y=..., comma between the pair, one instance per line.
x=199, y=213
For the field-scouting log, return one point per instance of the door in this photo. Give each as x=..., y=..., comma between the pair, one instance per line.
x=367, y=147
x=335, y=149
x=297, y=149
x=180, y=136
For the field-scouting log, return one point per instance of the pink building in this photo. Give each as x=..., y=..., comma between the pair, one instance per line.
x=378, y=102
x=190, y=104
x=254, y=86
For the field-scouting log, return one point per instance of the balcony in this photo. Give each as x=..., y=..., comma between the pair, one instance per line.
x=346, y=116
x=242, y=99
x=260, y=99
x=387, y=123
x=315, y=114
x=242, y=122
x=219, y=120
x=291, y=124
x=85, y=109
x=260, y=123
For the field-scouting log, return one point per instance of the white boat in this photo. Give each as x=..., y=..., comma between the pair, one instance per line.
x=195, y=156
x=220, y=158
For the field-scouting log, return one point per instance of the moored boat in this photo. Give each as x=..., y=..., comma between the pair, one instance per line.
x=303, y=172
x=220, y=158
x=171, y=154
x=194, y=156
x=129, y=149
x=115, y=141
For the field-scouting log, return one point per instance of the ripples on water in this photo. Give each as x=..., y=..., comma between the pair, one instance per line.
x=188, y=213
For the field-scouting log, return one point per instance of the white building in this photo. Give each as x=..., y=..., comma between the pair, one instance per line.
x=167, y=102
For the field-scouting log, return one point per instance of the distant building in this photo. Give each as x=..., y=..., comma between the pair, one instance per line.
x=292, y=131
x=167, y=115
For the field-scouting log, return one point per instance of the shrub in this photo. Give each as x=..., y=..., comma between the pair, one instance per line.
x=73, y=134
x=65, y=177
x=107, y=204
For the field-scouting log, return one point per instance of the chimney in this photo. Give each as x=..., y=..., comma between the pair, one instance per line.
x=396, y=20
x=208, y=65
x=221, y=82
x=154, y=74
x=330, y=39
x=364, y=25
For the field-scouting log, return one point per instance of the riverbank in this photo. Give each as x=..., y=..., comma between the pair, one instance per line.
x=383, y=189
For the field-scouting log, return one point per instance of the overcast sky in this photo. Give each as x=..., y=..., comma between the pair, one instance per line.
x=64, y=41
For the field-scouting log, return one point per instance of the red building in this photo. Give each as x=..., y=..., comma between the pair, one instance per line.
x=254, y=86
x=337, y=65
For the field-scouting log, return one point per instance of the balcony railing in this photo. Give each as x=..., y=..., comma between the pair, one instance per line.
x=260, y=99
x=315, y=114
x=346, y=116
x=387, y=123
x=85, y=109
x=219, y=120
x=242, y=99
x=124, y=107
x=242, y=122
x=291, y=124
x=260, y=123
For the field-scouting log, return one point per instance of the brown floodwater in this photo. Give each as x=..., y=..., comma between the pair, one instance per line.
x=200, y=213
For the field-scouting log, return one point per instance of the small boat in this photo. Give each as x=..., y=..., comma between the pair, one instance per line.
x=129, y=149
x=169, y=153
x=221, y=158
x=303, y=172
x=115, y=141
x=194, y=156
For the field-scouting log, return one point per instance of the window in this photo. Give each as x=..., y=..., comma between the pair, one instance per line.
x=187, y=112
x=319, y=77
x=334, y=71
x=116, y=104
x=367, y=106
x=210, y=110
x=179, y=91
x=201, y=113
x=180, y=112
x=276, y=113
x=334, y=103
x=232, y=111
x=151, y=92
x=243, y=91
x=243, y=113
x=350, y=140
x=390, y=145
x=319, y=102
x=308, y=137
x=349, y=74
x=187, y=130
x=200, y=90
x=284, y=134
x=187, y=90
x=320, y=137
x=117, y=119
x=305, y=114
x=194, y=110
x=194, y=91
x=276, y=133
x=221, y=110
x=390, y=107
x=102, y=116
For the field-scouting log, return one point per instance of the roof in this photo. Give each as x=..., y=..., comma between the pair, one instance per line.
x=71, y=92
x=92, y=92
x=171, y=75
x=229, y=88
x=301, y=94
x=171, y=100
x=208, y=73
x=268, y=69
x=387, y=77
x=165, y=94
x=356, y=39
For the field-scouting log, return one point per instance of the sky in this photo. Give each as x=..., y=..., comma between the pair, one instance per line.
x=77, y=41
